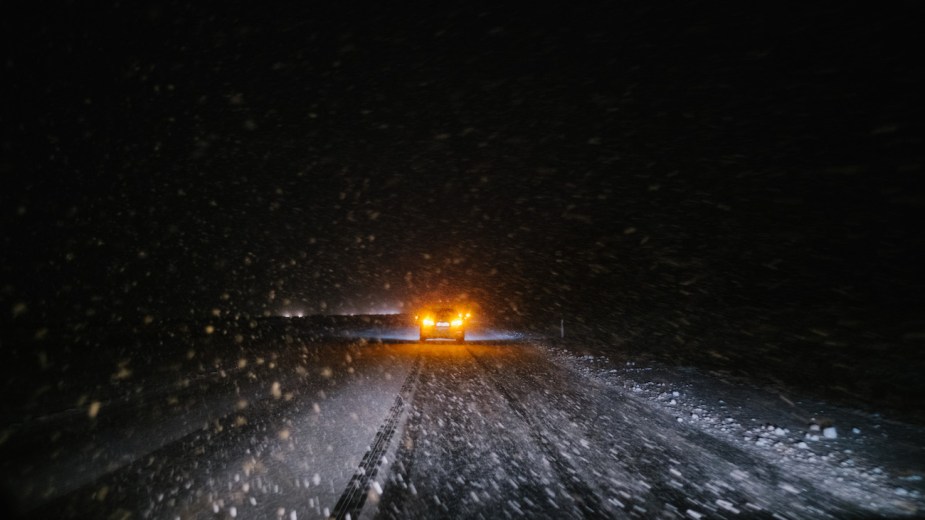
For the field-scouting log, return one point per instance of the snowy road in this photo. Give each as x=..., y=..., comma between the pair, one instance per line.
x=501, y=431
x=488, y=429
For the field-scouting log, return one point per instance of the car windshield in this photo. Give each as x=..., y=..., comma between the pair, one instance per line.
x=313, y=260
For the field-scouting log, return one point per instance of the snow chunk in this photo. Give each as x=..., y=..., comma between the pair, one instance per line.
x=728, y=506
x=739, y=474
x=830, y=433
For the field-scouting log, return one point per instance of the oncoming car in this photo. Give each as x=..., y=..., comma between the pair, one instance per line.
x=444, y=322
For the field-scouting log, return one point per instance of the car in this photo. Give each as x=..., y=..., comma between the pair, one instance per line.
x=443, y=322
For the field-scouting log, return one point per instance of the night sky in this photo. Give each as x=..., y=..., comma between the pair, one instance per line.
x=675, y=168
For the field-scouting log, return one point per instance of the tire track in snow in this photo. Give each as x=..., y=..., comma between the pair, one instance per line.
x=399, y=486
x=585, y=499
x=354, y=496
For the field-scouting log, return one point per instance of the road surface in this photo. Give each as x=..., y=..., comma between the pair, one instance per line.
x=397, y=429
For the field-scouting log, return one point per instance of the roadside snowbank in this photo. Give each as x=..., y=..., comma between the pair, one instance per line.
x=867, y=459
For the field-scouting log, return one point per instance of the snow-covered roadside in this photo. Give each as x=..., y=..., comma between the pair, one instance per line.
x=865, y=459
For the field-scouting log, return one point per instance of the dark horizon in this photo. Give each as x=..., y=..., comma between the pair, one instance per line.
x=619, y=166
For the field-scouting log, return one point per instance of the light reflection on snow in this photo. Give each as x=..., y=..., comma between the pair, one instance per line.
x=411, y=333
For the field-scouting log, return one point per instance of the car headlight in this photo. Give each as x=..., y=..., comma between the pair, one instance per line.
x=428, y=322
x=457, y=322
